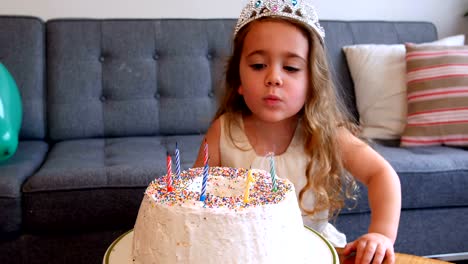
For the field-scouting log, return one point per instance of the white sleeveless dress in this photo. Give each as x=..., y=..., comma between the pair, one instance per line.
x=291, y=165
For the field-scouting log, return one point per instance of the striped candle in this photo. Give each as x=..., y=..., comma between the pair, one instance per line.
x=177, y=159
x=169, y=173
x=205, y=172
x=272, y=171
x=204, y=182
x=205, y=150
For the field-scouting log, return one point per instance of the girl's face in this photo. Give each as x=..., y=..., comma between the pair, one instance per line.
x=274, y=70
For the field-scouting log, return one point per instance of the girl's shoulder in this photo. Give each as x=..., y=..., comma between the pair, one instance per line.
x=215, y=127
x=224, y=123
x=346, y=137
x=228, y=121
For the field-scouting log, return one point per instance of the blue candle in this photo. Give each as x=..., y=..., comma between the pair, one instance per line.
x=205, y=180
x=177, y=158
x=273, y=172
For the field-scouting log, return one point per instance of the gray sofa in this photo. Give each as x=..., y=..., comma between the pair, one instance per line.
x=104, y=100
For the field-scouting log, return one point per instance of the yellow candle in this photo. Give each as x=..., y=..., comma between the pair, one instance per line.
x=247, y=186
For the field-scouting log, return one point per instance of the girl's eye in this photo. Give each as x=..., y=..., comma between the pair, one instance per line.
x=290, y=69
x=257, y=66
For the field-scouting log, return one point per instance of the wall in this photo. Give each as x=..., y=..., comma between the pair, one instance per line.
x=446, y=15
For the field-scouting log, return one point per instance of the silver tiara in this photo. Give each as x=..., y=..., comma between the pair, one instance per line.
x=299, y=10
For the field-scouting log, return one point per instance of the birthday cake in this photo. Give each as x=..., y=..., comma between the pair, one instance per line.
x=246, y=217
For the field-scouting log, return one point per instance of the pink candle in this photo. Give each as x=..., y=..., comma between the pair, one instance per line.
x=205, y=149
x=169, y=173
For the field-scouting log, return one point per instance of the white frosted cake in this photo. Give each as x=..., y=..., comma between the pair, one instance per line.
x=176, y=227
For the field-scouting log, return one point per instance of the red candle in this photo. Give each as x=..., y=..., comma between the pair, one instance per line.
x=169, y=173
x=205, y=161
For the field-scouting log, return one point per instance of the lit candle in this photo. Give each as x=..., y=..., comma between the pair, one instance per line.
x=272, y=171
x=204, y=182
x=177, y=158
x=247, y=186
x=169, y=173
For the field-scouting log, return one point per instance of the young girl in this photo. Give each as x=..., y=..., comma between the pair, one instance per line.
x=280, y=99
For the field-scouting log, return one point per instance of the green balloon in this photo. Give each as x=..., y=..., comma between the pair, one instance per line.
x=10, y=114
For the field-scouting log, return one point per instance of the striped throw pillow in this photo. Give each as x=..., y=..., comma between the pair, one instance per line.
x=437, y=94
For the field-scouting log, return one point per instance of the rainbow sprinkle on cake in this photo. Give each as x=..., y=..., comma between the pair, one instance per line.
x=225, y=189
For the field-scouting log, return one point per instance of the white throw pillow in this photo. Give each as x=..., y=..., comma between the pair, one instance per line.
x=379, y=76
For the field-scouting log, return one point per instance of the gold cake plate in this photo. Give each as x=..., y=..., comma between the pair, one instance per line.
x=120, y=251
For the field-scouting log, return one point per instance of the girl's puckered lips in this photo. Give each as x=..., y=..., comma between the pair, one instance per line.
x=272, y=100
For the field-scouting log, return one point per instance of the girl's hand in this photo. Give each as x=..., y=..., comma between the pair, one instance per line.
x=371, y=248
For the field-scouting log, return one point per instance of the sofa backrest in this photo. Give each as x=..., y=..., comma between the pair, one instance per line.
x=22, y=52
x=112, y=78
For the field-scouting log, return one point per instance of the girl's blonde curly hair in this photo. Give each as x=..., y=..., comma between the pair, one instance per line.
x=321, y=117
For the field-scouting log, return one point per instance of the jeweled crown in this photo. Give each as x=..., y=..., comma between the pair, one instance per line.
x=299, y=10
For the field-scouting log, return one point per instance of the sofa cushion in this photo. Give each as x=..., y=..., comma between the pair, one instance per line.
x=431, y=177
x=437, y=79
x=379, y=76
x=425, y=231
x=22, y=51
x=13, y=172
x=119, y=78
x=434, y=176
x=99, y=179
x=345, y=33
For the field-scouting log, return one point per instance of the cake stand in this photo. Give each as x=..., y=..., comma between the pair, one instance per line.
x=120, y=251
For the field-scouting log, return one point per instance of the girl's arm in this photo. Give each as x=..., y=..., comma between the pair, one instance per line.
x=382, y=182
x=212, y=138
x=384, y=192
